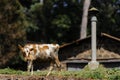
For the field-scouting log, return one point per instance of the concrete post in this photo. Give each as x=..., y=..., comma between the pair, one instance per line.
x=93, y=38
x=93, y=64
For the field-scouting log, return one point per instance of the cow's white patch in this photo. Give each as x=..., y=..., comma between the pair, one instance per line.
x=26, y=50
x=37, y=50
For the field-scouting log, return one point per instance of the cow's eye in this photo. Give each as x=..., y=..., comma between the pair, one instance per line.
x=24, y=54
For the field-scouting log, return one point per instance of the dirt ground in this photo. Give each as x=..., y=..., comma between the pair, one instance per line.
x=19, y=77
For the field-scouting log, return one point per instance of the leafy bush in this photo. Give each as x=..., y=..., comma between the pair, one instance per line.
x=113, y=74
x=99, y=73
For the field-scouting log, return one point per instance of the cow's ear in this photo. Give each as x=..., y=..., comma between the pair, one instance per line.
x=21, y=48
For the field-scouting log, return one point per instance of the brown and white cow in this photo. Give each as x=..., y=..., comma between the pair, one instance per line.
x=31, y=52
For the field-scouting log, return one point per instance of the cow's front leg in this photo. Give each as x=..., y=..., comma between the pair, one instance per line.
x=30, y=67
x=50, y=69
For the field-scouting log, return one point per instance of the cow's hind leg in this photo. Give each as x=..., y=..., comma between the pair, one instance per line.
x=56, y=60
x=58, y=63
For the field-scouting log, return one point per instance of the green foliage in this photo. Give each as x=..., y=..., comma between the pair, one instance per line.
x=53, y=16
x=62, y=21
x=35, y=13
x=113, y=74
x=99, y=73
x=63, y=18
x=108, y=17
x=13, y=25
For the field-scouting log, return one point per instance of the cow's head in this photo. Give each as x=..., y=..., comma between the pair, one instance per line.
x=26, y=53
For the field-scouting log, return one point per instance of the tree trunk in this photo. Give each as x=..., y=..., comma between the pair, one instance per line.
x=83, y=32
x=41, y=1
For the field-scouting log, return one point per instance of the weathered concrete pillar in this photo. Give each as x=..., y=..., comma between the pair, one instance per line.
x=93, y=64
x=93, y=38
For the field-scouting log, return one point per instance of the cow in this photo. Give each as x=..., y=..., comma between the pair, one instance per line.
x=33, y=51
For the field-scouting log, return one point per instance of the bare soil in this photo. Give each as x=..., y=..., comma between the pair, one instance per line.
x=21, y=77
